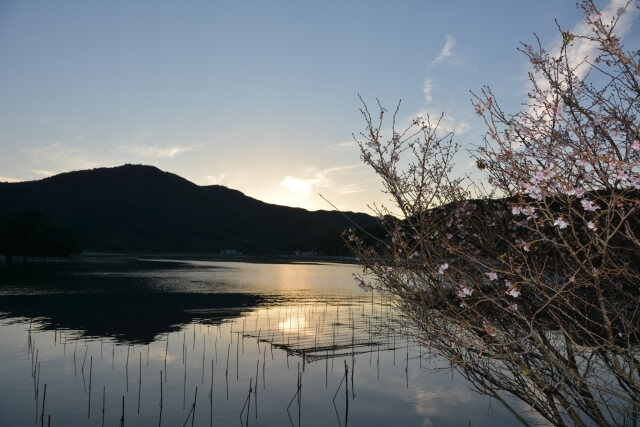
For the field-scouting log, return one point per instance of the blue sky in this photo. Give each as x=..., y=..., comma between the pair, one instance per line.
x=260, y=96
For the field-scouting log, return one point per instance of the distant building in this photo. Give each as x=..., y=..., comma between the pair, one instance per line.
x=304, y=253
x=230, y=252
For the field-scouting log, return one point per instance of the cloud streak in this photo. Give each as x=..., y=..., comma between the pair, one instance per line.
x=43, y=172
x=587, y=49
x=447, y=124
x=350, y=189
x=343, y=146
x=216, y=179
x=157, y=152
x=299, y=185
x=316, y=179
x=447, y=50
x=581, y=49
x=427, y=90
x=59, y=157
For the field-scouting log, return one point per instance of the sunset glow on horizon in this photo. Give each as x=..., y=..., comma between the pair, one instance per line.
x=261, y=97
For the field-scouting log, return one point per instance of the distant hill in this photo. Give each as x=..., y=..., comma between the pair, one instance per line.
x=141, y=208
x=33, y=234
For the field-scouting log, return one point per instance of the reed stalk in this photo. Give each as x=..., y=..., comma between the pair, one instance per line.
x=44, y=398
x=161, y=401
x=122, y=418
x=103, y=402
x=90, y=379
x=139, y=381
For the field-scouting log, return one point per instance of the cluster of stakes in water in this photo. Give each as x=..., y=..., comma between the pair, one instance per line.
x=310, y=330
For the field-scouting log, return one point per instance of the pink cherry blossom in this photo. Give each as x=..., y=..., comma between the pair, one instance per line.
x=513, y=292
x=492, y=276
x=464, y=292
x=488, y=328
x=442, y=268
x=588, y=205
x=530, y=212
x=560, y=223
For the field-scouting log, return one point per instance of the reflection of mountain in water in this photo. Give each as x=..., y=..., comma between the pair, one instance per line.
x=134, y=317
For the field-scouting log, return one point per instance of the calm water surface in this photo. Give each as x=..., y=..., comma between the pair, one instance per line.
x=215, y=343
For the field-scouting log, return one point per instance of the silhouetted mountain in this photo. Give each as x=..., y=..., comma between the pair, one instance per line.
x=33, y=234
x=141, y=208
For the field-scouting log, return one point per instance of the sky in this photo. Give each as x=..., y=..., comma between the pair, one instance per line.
x=258, y=96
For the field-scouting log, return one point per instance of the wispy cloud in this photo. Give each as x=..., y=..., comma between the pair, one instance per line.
x=447, y=50
x=428, y=89
x=235, y=177
x=350, y=189
x=59, y=157
x=581, y=49
x=315, y=179
x=157, y=152
x=343, y=146
x=448, y=123
x=42, y=172
x=216, y=179
x=298, y=185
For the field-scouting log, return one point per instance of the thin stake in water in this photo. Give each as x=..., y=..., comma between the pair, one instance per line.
x=90, y=375
x=264, y=360
x=255, y=393
x=139, y=382
x=126, y=369
x=184, y=390
x=44, y=398
x=247, y=404
x=103, y=402
x=161, y=400
x=204, y=346
x=166, y=350
x=211, y=397
x=226, y=373
x=192, y=412
x=122, y=419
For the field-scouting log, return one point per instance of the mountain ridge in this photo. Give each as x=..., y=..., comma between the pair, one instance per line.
x=142, y=208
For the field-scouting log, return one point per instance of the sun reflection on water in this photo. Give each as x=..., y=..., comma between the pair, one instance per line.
x=292, y=324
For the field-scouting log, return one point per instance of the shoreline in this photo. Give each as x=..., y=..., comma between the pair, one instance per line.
x=184, y=256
